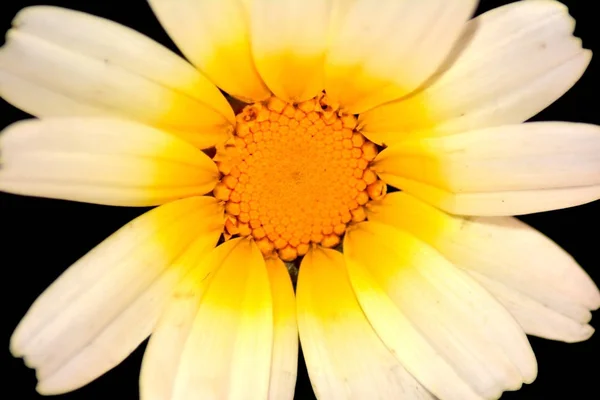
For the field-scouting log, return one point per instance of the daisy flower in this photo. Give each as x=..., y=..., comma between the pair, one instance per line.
x=329, y=105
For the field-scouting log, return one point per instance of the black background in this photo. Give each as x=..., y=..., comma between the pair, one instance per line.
x=40, y=237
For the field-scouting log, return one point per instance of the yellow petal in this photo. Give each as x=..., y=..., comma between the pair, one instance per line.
x=108, y=302
x=534, y=157
x=103, y=161
x=344, y=356
x=511, y=63
x=215, y=340
x=289, y=40
x=163, y=354
x=215, y=37
x=284, y=362
x=60, y=62
x=538, y=282
x=455, y=316
x=382, y=51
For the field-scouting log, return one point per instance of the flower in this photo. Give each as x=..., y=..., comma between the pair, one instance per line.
x=436, y=285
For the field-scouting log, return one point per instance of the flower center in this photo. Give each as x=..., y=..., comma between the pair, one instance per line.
x=295, y=175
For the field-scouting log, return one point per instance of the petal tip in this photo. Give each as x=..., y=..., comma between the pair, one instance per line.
x=595, y=301
x=15, y=346
x=586, y=332
x=530, y=372
x=45, y=389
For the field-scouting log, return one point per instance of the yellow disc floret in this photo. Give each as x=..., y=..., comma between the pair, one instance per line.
x=295, y=175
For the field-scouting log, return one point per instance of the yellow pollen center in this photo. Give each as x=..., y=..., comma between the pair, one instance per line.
x=295, y=175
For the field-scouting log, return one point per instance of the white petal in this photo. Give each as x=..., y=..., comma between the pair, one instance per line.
x=103, y=161
x=60, y=62
x=534, y=157
x=163, y=354
x=462, y=323
x=511, y=63
x=540, y=284
x=289, y=39
x=215, y=339
x=536, y=318
x=344, y=356
x=381, y=52
x=501, y=203
x=284, y=363
x=215, y=37
x=104, y=305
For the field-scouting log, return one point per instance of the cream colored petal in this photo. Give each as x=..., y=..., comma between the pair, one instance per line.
x=103, y=161
x=406, y=342
x=60, y=62
x=215, y=37
x=539, y=158
x=344, y=356
x=499, y=203
x=457, y=317
x=538, y=282
x=289, y=40
x=160, y=364
x=215, y=339
x=381, y=52
x=511, y=63
x=535, y=317
x=284, y=362
x=108, y=302
x=163, y=354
